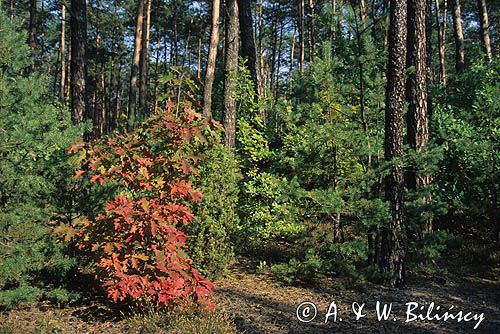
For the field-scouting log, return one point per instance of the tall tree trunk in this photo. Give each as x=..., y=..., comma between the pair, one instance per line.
x=428, y=37
x=362, y=6
x=417, y=119
x=97, y=93
x=333, y=27
x=212, y=59
x=157, y=74
x=260, y=78
x=459, y=37
x=176, y=41
x=301, y=36
x=112, y=113
x=68, y=68
x=112, y=94
x=360, y=30
x=132, y=99
x=442, y=40
x=92, y=106
x=274, y=42
x=143, y=88
x=292, y=57
x=248, y=50
x=230, y=70
x=11, y=9
x=186, y=56
x=119, y=119
x=386, y=30
x=62, y=55
x=32, y=27
x=198, y=69
x=278, y=67
x=165, y=55
x=311, y=31
x=41, y=25
x=484, y=29
x=392, y=257
x=103, y=124
x=340, y=22
x=78, y=25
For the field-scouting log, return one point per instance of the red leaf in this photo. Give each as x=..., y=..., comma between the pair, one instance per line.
x=78, y=173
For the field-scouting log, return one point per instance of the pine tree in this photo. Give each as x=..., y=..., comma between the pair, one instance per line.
x=34, y=163
x=459, y=37
x=248, y=50
x=484, y=28
x=232, y=42
x=143, y=92
x=212, y=59
x=392, y=248
x=78, y=60
x=132, y=99
x=417, y=119
x=441, y=25
x=62, y=55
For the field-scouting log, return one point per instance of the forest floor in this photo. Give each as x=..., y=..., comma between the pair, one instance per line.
x=256, y=303
x=259, y=304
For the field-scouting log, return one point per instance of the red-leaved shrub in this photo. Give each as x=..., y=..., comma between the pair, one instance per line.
x=136, y=243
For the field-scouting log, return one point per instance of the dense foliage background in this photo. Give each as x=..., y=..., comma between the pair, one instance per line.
x=301, y=190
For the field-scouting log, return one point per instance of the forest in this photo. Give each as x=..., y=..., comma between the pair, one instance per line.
x=249, y=166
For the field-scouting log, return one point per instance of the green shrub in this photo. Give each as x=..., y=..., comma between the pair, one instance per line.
x=216, y=218
x=466, y=123
x=33, y=138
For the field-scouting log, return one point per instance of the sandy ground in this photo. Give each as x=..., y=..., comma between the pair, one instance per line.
x=259, y=304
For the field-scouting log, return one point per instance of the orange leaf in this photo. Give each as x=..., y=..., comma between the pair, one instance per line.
x=78, y=173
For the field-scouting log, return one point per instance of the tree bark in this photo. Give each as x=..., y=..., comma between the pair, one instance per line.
x=248, y=50
x=143, y=63
x=359, y=30
x=103, y=111
x=362, y=6
x=386, y=30
x=484, y=29
x=340, y=20
x=62, y=55
x=333, y=27
x=11, y=9
x=78, y=25
x=459, y=37
x=260, y=78
x=311, y=31
x=292, y=58
x=113, y=87
x=132, y=99
x=157, y=73
x=176, y=40
x=301, y=36
x=32, y=37
x=417, y=119
x=428, y=37
x=40, y=22
x=97, y=101
x=230, y=71
x=393, y=253
x=442, y=40
x=417, y=78
x=198, y=69
x=274, y=43
x=68, y=68
x=278, y=66
x=212, y=59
